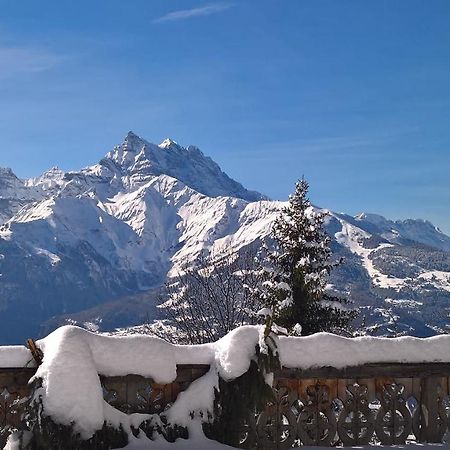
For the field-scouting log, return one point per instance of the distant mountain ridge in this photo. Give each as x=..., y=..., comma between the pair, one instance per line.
x=75, y=245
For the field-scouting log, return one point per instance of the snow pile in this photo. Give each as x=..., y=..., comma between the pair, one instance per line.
x=197, y=399
x=15, y=356
x=234, y=352
x=325, y=349
x=74, y=358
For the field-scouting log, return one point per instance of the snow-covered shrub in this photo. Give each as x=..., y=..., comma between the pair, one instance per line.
x=239, y=399
x=47, y=434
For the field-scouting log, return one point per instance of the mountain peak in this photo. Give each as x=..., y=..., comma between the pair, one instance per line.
x=7, y=171
x=375, y=219
x=54, y=169
x=143, y=160
x=131, y=135
x=167, y=143
x=132, y=142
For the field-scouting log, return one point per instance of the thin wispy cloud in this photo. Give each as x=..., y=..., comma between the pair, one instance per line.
x=326, y=145
x=15, y=60
x=184, y=14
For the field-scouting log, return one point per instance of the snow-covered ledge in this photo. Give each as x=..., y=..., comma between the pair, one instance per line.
x=152, y=357
x=71, y=389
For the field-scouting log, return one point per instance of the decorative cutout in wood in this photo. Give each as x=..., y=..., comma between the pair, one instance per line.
x=356, y=420
x=317, y=421
x=394, y=422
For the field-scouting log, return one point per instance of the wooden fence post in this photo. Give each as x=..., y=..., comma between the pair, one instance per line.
x=432, y=425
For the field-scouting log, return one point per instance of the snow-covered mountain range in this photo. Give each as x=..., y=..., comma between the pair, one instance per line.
x=94, y=245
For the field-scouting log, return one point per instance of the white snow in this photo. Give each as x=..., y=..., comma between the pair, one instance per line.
x=150, y=226
x=49, y=180
x=438, y=278
x=325, y=349
x=403, y=303
x=418, y=230
x=199, y=397
x=351, y=237
x=265, y=312
x=196, y=441
x=234, y=351
x=52, y=257
x=15, y=356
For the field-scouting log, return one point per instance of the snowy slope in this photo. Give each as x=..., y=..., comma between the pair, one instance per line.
x=403, y=283
x=14, y=194
x=71, y=242
x=400, y=231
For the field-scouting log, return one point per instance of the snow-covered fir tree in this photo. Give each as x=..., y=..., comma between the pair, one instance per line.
x=298, y=268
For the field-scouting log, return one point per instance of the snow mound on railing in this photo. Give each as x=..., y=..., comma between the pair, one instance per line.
x=15, y=356
x=73, y=359
x=325, y=349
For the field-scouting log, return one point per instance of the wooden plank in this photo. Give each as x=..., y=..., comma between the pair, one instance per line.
x=190, y=372
x=403, y=370
x=28, y=370
x=392, y=370
x=417, y=389
x=289, y=384
x=397, y=370
x=432, y=429
x=444, y=386
x=342, y=389
x=185, y=373
x=19, y=377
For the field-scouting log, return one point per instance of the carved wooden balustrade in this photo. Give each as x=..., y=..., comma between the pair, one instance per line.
x=130, y=394
x=375, y=403
x=136, y=394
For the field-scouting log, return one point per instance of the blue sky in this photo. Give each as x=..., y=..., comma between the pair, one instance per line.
x=355, y=94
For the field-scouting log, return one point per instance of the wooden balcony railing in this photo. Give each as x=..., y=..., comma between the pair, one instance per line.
x=375, y=403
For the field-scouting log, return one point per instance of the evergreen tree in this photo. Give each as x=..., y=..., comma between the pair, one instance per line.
x=298, y=269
